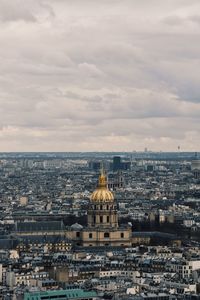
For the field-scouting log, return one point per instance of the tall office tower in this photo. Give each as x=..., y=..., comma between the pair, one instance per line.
x=116, y=163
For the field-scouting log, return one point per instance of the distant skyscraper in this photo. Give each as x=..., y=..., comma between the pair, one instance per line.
x=95, y=165
x=116, y=163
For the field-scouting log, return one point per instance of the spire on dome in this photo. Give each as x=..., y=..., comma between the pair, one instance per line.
x=102, y=178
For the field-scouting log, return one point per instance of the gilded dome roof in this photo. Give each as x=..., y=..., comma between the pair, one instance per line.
x=102, y=193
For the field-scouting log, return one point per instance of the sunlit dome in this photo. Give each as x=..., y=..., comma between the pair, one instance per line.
x=102, y=193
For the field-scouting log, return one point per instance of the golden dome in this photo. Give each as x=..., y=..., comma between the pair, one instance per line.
x=102, y=193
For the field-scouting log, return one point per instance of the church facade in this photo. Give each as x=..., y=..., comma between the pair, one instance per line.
x=102, y=221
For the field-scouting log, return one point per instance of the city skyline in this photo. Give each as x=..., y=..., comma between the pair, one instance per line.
x=99, y=76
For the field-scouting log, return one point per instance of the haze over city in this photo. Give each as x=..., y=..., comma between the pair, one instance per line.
x=99, y=75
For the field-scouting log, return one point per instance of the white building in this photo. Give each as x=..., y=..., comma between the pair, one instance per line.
x=183, y=268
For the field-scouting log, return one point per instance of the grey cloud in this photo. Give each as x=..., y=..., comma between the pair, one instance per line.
x=15, y=11
x=27, y=11
x=195, y=18
x=174, y=20
x=125, y=73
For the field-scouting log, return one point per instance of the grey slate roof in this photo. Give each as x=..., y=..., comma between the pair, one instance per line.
x=39, y=226
x=42, y=239
x=154, y=234
x=7, y=242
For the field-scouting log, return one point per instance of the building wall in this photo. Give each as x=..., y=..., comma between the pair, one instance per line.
x=59, y=273
x=105, y=211
x=140, y=240
x=105, y=237
x=1, y=273
x=184, y=270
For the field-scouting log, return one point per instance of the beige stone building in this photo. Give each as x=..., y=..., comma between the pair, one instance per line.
x=103, y=228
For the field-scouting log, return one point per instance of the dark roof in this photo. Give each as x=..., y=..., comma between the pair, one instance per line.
x=99, y=249
x=8, y=243
x=42, y=239
x=154, y=234
x=39, y=226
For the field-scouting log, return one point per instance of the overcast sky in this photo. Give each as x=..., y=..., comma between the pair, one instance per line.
x=108, y=75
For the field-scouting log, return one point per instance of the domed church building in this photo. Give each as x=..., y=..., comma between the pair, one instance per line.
x=102, y=221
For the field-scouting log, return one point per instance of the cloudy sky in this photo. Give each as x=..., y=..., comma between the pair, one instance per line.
x=109, y=75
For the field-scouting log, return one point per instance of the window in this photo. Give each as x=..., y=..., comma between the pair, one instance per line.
x=101, y=207
x=94, y=219
x=108, y=219
x=122, y=235
x=107, y=207
x=78, y=234
x=101, y=219
x=90, y=235
x=106, y=234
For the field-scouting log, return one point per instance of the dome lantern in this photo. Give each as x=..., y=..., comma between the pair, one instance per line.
x=102, y=193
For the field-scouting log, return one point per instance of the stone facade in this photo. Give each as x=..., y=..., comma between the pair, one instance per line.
x=103, y=228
